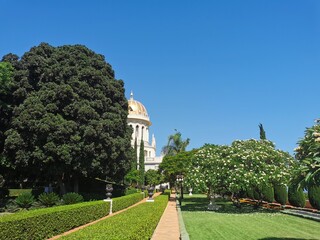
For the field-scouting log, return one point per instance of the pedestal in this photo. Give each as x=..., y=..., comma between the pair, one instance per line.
x=110, y=201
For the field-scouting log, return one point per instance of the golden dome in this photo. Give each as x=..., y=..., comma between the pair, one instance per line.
x=136, y=108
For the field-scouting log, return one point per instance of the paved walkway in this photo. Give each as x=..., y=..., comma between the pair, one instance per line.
x=168, y=227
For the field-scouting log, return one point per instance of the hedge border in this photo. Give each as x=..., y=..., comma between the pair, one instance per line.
x=48, y=222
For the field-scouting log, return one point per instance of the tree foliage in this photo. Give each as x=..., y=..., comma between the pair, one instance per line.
x=244, y=165
x=308, y=156
x=153, y=177
x=135, y=156
x=69, y=115
x=262, y=132
x=175, y=144
x=141, y=164
x=173, y=165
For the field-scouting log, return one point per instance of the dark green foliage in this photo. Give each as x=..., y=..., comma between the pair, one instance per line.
x=267, y=193
x=48, y=222
x=314, y=196
x=280, y=194
x=141, y=164
x=134, y=162
x=256, y=195
x=70, y=116
x=131, y=190
x=25, y=200
x=132, y=177
x=48, y=199
x=126, y=201
x=171, y=166
x=262, y=132
x=249, y=193
x=135, y=223
x=4, y=192
x=153, y=177
x=72, y=198
x=175, y=144
x=296, y=197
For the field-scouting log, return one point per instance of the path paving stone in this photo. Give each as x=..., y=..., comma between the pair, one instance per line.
x=168, y=227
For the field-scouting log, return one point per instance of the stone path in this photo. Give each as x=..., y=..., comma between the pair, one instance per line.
x=168, y=227
x=300, y=213
x=88, y=224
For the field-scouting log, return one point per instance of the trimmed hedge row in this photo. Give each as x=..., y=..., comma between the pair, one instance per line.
x=135, y=223
x=48, y=222
x=296, y=197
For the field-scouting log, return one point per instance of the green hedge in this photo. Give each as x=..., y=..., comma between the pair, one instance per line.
x=126, y=201
x=268, y=193
x=48, y=222
x=314, y=196
x=280, y=194
x=135, y=223
x=296, y=197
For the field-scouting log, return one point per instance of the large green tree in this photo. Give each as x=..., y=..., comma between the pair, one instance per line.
x=174, y=165
x=308, y=156
x=245, y=165
x=175, y=144
x=70, y=115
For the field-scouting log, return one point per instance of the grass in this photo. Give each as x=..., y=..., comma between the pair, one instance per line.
x=246, y=223
x=135, y=223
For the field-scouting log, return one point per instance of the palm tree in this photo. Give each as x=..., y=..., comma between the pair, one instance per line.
x=175, y=144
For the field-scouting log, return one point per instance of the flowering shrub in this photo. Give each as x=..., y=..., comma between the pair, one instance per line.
x=308, y=155
x=249, y=164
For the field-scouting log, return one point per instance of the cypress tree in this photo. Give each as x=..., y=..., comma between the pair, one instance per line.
x=296, y=196
x=280, y=194
x=262, y=132
x=135, y=157
x=141, y=163
x=314, y=196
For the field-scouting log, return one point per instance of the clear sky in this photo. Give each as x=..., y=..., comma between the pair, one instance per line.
x=211, y=69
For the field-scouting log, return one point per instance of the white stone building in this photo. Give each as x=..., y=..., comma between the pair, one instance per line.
x=139, y=120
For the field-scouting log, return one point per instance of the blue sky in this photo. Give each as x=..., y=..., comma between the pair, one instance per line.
x=213, y=70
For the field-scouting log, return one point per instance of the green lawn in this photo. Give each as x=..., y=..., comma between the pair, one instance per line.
x=230, y=223
x=135, y=223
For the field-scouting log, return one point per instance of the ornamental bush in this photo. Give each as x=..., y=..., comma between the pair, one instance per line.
x=280, y=194
x=25, y=200
x=314, y=196
x=296, y=196
x=72, y=198
x=268, y=193
x=48, y=199
x=47, y=222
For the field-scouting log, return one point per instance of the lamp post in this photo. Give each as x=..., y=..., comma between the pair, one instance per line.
x=180, y=181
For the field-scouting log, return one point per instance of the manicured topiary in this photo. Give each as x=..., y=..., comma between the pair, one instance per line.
x=314, y=196
x=280, y=194
x=48, y=199
x=25, y=200
x=296, y=196
x=250, y=193
x=72, y=198
x=268, y=193
x=256, y=195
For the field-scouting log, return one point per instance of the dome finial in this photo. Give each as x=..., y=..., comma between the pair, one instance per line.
x=131, y=95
